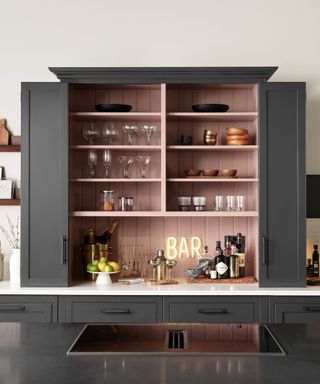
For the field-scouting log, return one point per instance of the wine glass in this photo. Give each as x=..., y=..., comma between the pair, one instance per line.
x=90, y=133
x=130, y=130
x=170, y=264
x=92, y=161
x=154, y=264
x=106, y=158
x=144, y=162
x=110, y=133
x=150, y=130
x=125, y=162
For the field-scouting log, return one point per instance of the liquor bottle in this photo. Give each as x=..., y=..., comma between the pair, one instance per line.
x=240, y=251
x=234, y=264
x=218, y=248
x=206, y=262
x=221, y=264
x=107, y=234
x=90, y=238
x=309, y=269
x=315, y=261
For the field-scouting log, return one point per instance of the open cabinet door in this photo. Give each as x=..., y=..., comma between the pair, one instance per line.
x=44, y=169
x=282, y=185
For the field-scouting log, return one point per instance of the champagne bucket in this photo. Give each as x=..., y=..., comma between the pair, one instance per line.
x=94, y=252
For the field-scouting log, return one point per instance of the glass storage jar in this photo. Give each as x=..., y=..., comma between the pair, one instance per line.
x=107, y=200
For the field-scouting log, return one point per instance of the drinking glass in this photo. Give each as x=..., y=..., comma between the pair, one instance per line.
x=154, y=264
x=91, y=133
x=150, y=130
x=170, y=264
x=199, y=203
x=239, y=203
x=130, y=130
x=144, y=161
x=92, y=161
x=219, y=203
x=125, y=162
x=230, y=203
x=106, y=158
x=110, y=133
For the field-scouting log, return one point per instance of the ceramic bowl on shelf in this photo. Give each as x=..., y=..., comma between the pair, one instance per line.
x=192, y=172
x=228, y=172
x=210, y=107
x=210, y=172
x=193, y=273
x=113, y=107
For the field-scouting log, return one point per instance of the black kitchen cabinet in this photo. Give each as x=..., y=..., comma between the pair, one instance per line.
x=221, y=309
x=50, y=256
x=300, y=309
x=120, y=309
x=28, y=309
x=44, y=174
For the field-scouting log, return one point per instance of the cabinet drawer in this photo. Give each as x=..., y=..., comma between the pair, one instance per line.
x=125, y=310
x=211, y=310
x=295, y=310
x=28, y=310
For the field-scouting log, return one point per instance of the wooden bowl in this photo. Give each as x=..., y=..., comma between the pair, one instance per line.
x=210, y=172
x=228, y=172
x=192, y=172
x=236, y=131
x=209, y=141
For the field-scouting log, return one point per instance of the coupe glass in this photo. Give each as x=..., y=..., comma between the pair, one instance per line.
x=92, y=161
x=106, y=158
x=150, y=130
x=125, y=162
x=90, y=133
x=130, y=130
x=110, y=133
x=170, y=264
x=144, y=161
x=154, y=264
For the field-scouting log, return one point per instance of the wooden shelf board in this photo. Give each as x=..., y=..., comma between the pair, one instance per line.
x=149, y=148
x=212, y=214
x=214, y=116
x=127, y=116
x=218, y=148
x=9, y=201
x=116, y=180
x=212, y=180
x=10, y=148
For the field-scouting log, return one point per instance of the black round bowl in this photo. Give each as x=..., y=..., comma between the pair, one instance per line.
x=113, y=107
x=210, y=107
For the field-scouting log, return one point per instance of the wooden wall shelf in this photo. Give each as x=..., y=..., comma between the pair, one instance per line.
x=9, y=201
x=10, y=148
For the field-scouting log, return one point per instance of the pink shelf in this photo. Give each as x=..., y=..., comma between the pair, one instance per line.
x=149, y=148
x=212, y=214
x=116, y=180
x=130, y=116
x=226, y=116
x=218, y=148
x=212, y=180
x=160, y=214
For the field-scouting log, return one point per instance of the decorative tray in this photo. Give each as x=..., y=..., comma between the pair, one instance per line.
x=240, y=280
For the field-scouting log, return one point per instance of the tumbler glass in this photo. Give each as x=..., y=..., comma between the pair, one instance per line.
x=230, y=203
x=240, y=203
x=219, y=203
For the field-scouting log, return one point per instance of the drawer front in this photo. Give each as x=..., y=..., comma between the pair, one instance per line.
x=211, y=311
x=27, y=310
x=117, y=311
x=295, y=310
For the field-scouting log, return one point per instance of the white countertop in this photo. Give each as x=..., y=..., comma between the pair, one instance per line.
x=183, y=289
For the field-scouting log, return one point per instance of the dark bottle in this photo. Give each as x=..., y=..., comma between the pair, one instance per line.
x=315, y=261
x=309, y=269
x=221, y=264
x=234, y=265
x=218, y=248
x=107, y=234
x=90, y=238
x=240, y=251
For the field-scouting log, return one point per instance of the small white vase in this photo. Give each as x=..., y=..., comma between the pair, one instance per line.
x=14, y=267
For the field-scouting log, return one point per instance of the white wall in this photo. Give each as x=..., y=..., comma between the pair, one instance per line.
x=35, y=34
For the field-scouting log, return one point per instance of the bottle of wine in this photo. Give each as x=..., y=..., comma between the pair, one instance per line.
x=309, y=268
x=221, y=263
x=107, y=234
x=218, y=248
x=315, y=261
x=90, y=238
x=240, y=251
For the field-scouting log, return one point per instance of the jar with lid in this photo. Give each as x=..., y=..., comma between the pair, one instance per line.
x=107, y=200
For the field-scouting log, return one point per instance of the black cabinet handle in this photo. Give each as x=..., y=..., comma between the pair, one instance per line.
x=17, y=308
x=312, y=308
x=112, y=311
x=213, y=311
x=64, y=250
x=265, y=258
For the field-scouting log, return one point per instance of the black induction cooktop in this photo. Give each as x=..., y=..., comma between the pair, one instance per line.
x=176, y=338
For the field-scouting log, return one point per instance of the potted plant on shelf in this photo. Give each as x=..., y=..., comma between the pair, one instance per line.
x=12, y=235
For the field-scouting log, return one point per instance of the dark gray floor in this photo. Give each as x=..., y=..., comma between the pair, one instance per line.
x=36, y=353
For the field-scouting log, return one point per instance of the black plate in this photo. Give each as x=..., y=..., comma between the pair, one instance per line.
x=113, y=107
x=210, y=107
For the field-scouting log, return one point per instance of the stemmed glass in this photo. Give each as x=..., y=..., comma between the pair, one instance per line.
x=144, y=161
x=130, y=130
x=110, y=133
x=92, y=161
x=90, y=133
x=150, y=130
x=125, y=162
x=106, y=158
x=154, y=264
x=170, y=264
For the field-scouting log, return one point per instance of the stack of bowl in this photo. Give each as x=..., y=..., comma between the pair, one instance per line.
x=238, y=136
x=209, y=137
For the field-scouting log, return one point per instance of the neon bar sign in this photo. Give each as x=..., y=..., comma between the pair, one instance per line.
x=177, y=249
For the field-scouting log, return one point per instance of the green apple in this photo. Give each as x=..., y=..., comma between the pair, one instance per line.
x=108, y=268
x=103, y=259
x=92, y=267
x=95, y=262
